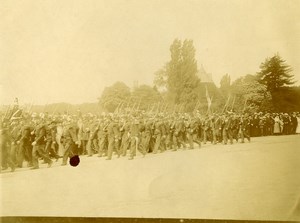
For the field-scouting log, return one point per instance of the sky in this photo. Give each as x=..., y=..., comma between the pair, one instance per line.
x=69, y=51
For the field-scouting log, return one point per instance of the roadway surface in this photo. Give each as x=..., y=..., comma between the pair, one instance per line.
x=255, y=181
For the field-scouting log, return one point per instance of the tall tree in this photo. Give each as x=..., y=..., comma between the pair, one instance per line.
x=173, y=71
x=178, y=76
x=275, y=73
x=189, y=79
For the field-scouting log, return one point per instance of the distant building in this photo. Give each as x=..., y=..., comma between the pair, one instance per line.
x=204, y=76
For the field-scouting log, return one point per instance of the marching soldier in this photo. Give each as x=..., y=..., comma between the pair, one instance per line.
x=15, y=135
x=146, y=136
x=169, y=131
x=84, y=132
x=226, y=130
x=218, y=129
x=244, y=125
x=157, y=136
x=134, y=138
x=178, y=135
x=110, y=137
x=25, y=147
x=5, y=148
x=70, y=141
x=125, y=143
x=205, y=129
x=50, y=147
x=39, y=144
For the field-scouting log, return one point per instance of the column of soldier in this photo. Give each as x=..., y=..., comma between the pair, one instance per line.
x=43, y=138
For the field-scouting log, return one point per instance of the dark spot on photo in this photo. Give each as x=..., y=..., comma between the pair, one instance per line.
x=75, y=160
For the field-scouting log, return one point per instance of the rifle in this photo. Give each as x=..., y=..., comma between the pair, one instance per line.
x=226, y=104
x=116, y=111
x=233, y=102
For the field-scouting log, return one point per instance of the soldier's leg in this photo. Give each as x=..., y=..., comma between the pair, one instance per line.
x=43, y=154
x=224, y=134
x=181, y=140
x=5, y=157
x=162, y=146
x=169, y=141
x=196, y=139
x=246, y=133
x=236, y=134
x=190, y=140
x=124, y=145
x=147, y=142
x=66, y=153
x=83, y=147
x=204, y=136
x=89, y=147
x=48, y=146
x=28, y=155
x=21, y=154
x=110, y=147
x=35, y=157
x=144, y=145
x=230, y=134
x=13, y=152
x=175, y=142
x=100, y=147
x=214, y=137
x=53, y=150
x=9, y=161
x=4, y=153
x=133, y=144
x=117, y=147
x=242, y=135
x=95, y=147
x=157, y=143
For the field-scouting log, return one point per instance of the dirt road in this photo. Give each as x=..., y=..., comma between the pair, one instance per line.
x=255, y=181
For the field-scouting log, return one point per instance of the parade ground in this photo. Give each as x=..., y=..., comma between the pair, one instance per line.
x=255, y=181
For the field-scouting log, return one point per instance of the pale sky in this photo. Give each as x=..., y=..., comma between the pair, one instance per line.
x=68, y=50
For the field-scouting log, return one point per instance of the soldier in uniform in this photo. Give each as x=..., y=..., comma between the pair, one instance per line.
x=205, y=129
x=84, y=132
x=244, y=128
x=169, y=131
x=146, y=135
x=5, y=148
x=214, y=129
x=178, y=134
x=157, y=136
x=255, y=126
x=102, y=138
x=226, y=129
x=50, y=148
x=69, y=140
x=235, y=126
x=192, y=132
x=110, y=137
x=134, y=137
x=25, y=147
x=125, y=143
x=91, y=132
x=15, y=135
x=218, y=129
x=39, y=144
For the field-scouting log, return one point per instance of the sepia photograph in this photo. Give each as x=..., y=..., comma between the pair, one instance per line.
x=149, y=110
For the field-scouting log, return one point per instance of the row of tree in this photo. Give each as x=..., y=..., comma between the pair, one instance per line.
x=177, y=85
